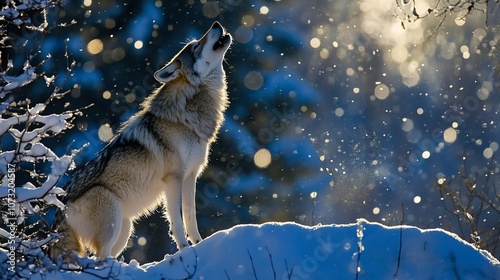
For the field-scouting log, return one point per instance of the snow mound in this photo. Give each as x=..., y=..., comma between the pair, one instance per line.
x=363, y=250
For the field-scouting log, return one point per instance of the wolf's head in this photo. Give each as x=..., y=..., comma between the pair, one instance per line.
x=199, y=58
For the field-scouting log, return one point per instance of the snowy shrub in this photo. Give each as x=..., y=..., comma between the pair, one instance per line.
x=408, y=12
x=27, y=191
x=472, y=200
x=29, y=170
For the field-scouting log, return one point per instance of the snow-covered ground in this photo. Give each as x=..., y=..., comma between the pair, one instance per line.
x=363, y=250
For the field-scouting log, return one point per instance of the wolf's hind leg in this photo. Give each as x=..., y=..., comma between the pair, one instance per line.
x=68, y=242
x=98, y=219
x=125, y=233
x=189, y=209
x=106, y=238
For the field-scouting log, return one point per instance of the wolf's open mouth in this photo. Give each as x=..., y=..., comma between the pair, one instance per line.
x=223, y=40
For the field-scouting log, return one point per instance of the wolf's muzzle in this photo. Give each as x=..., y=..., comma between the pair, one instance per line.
x=224, y=39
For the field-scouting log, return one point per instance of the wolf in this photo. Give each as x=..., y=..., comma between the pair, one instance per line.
x=154, y=159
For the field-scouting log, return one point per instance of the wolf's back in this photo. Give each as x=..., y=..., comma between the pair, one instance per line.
x=75, y=188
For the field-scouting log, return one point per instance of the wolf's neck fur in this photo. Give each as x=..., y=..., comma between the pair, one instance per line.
x=200, y=108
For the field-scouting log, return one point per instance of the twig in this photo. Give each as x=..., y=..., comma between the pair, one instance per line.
x=69, y=70
x=474, y=201
x=313, y=211
x=272, y=263
x=359, y=234
x=357, y=262
x=455, y=270
x=190, y=275
x=290, y=273
x=253, y=266
x=400, y=239
x=442, y=9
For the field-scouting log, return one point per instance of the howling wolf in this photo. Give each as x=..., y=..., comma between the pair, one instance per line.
x=155, y=158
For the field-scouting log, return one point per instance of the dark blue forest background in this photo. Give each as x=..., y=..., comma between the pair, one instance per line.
x=359, y=115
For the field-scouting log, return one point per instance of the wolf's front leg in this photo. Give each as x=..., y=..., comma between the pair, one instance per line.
x=173, y=196
x=189, y=209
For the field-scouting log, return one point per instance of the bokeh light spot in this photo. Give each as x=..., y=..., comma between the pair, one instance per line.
x=248, y=20
x=109, y=23
x=262, y=158
x=105, y=132
x=426, y=154
x=106, y=94
x=264, y=10
x=118, y=54
x=253, y=80
x=399, y=54
x=488, y=153
x=494, y=146
x=243, y=34
x=142, y=241
x=324, y=53
x=138, y=44
x=95, y=46
x=381, y=91
x=450, y=135
x=339, y=112
x=315, y=42
x=211, y=9
x=407, y=125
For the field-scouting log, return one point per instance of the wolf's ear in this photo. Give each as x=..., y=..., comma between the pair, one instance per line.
x=168, y=72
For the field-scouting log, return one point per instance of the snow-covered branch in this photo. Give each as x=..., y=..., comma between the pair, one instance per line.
x=30, y=170
x=410, y=11
x=16, y=12
x=24, y=196
x=14, y=82
x=22, y=16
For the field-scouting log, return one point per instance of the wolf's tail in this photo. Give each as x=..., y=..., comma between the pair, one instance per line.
x=67, y=242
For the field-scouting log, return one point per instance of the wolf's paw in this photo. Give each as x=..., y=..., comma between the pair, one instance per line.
x=194, y=239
